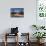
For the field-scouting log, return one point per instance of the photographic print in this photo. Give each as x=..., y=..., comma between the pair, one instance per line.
x=17, y=12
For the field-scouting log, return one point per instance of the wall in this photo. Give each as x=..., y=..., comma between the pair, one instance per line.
x=24, y=24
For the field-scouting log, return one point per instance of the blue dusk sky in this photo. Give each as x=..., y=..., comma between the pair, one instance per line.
x=17, y=9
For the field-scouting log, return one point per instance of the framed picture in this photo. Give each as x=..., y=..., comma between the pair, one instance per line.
x=41, y=8
x=17, y=12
